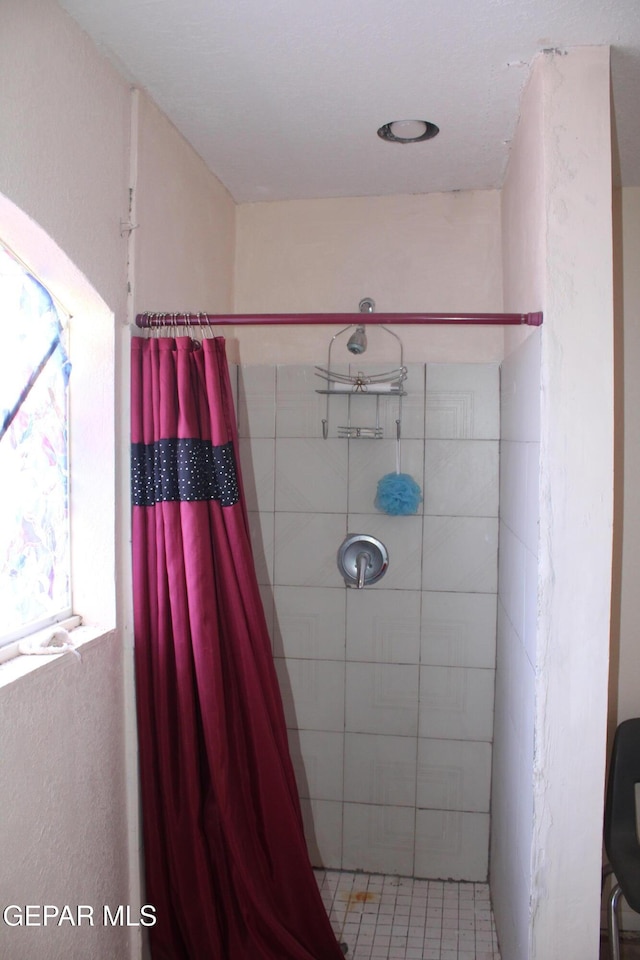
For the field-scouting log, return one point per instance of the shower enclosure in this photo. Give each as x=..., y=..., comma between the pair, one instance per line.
x=389, y=690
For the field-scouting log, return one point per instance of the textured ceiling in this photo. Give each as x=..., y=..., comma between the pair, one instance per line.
x=282, y=98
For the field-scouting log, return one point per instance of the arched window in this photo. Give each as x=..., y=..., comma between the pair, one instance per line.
x=35, y=581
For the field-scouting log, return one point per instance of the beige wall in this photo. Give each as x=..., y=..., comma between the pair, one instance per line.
x=68, y=776
x=185, y=234
x=432, y=253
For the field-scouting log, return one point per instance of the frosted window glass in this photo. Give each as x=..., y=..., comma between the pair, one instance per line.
x=35, y=584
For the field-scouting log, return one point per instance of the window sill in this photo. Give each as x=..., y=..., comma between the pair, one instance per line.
x=14, y=665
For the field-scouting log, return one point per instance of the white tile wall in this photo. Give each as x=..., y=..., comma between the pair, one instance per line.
x=323, y=829
x=462, y=401
x=451, y=841
x=261, y=531
x=388, y=692
x=257, y=401
x=306, y=545
x=311, y=475
x=258, y=457
x=454, y=775
x=380, y=769
x=318, y=761
x=312, y=693
x=382, y=698
x=378, y=837
x=310, y=622
x=300, y=409
x=383, y=626
x=460, y=554
x=456, y=703
x=461, y=478
x=459, y=629
x=513, y=771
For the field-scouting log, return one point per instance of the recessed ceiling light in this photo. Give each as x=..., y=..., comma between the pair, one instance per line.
x=408, y=131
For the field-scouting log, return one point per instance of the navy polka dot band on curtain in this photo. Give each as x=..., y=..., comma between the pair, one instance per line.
x=183, y=469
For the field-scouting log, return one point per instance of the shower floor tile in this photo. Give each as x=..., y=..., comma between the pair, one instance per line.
x=399, y=918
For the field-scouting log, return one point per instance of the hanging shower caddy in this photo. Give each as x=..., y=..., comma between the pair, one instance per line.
x=389, y=384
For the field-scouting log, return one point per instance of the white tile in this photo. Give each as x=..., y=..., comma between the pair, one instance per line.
x=312, y=693
x=515, y=687
x=532, y=507
x=454, y=775
x=377, y=838
x=402, y=537
x=310, y=622
x=530, y=636
x=306, y=547
x=452, y=845
x=383, y=626
x=382, y=698
x=256, y=401
x=300, y=410
x=318, y=760
x=511, y=573
x=370, y=460
x=323, y=831
x=257, y=460
x=380, y=769
x=456, y=703
x=261, y=533
x=462, y=401
x=459, y=629
x=520, y=391
x=513, y=485
x=461, y=478
x=311, y=475
x=460, y=554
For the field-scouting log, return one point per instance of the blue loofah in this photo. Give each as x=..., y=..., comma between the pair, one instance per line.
x=398, y=495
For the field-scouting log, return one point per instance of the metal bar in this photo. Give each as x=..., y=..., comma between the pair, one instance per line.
x=316, y=319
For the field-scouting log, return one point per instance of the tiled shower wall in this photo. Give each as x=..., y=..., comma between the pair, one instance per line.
x=388, y=691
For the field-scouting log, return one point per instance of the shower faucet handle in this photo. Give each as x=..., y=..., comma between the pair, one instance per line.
x=363, y=562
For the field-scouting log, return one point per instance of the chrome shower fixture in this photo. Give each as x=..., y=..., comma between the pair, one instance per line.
x=357, y=342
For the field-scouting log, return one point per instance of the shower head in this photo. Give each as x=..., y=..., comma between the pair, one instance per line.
x=357, y=342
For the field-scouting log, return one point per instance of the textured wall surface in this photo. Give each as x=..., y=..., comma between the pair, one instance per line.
x=62, y=795
x=576, y=498
x=426, y=254
x=68, y=775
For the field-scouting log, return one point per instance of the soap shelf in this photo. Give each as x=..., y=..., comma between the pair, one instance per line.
x=387, y=384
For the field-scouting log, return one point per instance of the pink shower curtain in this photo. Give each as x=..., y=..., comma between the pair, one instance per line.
x=226, y=862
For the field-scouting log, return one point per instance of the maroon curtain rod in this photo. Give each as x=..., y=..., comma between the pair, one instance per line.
x=285, y=319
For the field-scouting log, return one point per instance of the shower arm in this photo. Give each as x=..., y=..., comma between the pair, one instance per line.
x=169, y=319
